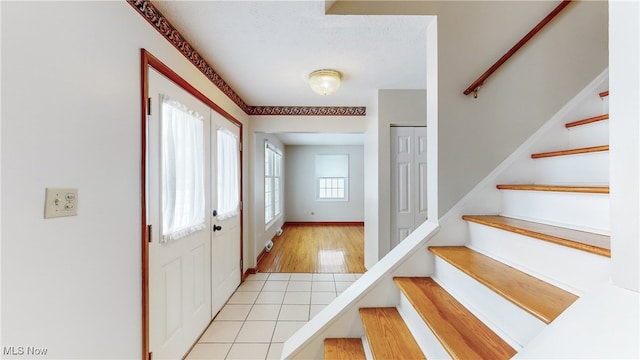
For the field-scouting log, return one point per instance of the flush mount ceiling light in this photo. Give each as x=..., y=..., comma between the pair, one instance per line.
x=325, y=81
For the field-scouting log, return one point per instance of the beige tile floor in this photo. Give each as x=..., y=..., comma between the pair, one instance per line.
x=265, y=310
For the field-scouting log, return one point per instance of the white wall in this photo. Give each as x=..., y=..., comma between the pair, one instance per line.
x=478, y=134
x=300, y=191
x=402, y=107
x=624, y=132
x=475, y=135
x=261, y=233
x=71, y=118
x=372, y=236
x=395, y=107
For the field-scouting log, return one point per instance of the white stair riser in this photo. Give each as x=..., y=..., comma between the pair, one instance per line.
x=573, y=270
x=367, y=348
x=594, y=134
x=514, y=325
x=591, y=169
x=429, y=344
x=581, y=211
x=591, y=105
x=605, y=105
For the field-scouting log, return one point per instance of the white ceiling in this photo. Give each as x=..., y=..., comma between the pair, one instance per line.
x=265, y=49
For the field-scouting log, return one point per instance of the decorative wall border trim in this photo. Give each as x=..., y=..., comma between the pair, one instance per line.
x=309, y=110
x=148, y=11
x=162, y=25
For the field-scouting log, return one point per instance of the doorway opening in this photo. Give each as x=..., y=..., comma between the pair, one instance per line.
x=320, y=226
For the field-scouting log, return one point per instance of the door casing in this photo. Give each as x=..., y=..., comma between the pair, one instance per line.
x=148, y=60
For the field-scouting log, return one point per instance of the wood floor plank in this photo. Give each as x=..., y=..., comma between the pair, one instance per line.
x=533, y=295
x=388, y=335
x=317, y=249
x=587, y=121
x=580, y=240
x=461, y=333
x=586, y=150
x=556, y=188
x=343, y=349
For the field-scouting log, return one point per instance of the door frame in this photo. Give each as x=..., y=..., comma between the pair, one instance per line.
x=148, y=60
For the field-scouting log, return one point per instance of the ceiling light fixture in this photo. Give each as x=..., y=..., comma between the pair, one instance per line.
x=325, y=81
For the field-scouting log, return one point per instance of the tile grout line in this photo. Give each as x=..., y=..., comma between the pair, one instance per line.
x=321, y=278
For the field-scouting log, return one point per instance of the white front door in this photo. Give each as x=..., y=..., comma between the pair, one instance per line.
x=408, y=181
x=225, y=251
x=180, y=248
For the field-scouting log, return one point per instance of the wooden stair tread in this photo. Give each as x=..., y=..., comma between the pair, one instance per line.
x=580, y=240
x=461, y=333
x=343, y=349
x=556, y=188
x=388, y=335
x=586, y=150
x=533, y=295
x=604, y=94
x=587, y=121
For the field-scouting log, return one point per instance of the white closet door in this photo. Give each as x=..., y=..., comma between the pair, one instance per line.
x=408, y=181
x=420, y=165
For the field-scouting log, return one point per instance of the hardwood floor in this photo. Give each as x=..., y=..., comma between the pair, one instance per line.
x=316, y=249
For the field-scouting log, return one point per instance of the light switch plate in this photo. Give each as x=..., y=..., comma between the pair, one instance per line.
x=60, y=202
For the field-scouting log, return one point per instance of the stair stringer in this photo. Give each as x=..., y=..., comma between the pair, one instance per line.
x=601, y=324
x=375, y=288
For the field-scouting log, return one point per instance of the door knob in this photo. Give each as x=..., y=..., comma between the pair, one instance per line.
x=217, y=227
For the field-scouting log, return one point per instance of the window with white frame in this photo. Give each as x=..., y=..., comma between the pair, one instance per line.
x=272, y=182
x=332, y=177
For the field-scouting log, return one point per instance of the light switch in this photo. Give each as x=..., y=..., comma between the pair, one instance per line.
x=60, y=202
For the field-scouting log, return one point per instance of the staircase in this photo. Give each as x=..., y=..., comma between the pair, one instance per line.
x=518, y=271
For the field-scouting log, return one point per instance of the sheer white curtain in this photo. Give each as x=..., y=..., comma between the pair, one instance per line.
x=183, y=197
x=228, y=175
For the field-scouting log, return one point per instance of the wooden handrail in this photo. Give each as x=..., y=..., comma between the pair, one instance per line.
x=473, y=88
